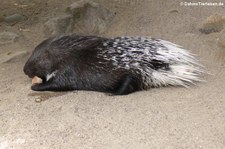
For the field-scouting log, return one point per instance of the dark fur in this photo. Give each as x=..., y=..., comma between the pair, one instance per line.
x=78, y=67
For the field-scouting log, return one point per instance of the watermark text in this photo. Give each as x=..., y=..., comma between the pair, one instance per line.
x=202, y=3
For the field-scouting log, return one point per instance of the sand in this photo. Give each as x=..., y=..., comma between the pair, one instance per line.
x=158, y=118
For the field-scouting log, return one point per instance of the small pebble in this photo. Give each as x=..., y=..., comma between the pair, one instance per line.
x=38, y=100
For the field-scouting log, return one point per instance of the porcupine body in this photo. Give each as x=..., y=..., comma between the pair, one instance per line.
x=120, y=65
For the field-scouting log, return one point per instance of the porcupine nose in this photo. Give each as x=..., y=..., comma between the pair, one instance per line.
x=27, y=71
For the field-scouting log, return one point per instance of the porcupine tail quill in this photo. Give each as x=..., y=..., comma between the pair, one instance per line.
x=184, y=69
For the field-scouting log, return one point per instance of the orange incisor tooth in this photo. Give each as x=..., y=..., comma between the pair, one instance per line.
x=36, y=80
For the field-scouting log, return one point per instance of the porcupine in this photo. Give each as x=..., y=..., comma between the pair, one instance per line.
x=119, y=66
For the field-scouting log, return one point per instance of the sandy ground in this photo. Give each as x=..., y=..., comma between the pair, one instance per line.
x=157, y=118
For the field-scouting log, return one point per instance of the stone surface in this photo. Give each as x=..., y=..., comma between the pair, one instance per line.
x=2, y=18
x=82, y=17
x=221, y=39
x=89, y=17
x=8, y=37
x=58, y=25
x=13, y=56
x=214, y=23
x=14, y=18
